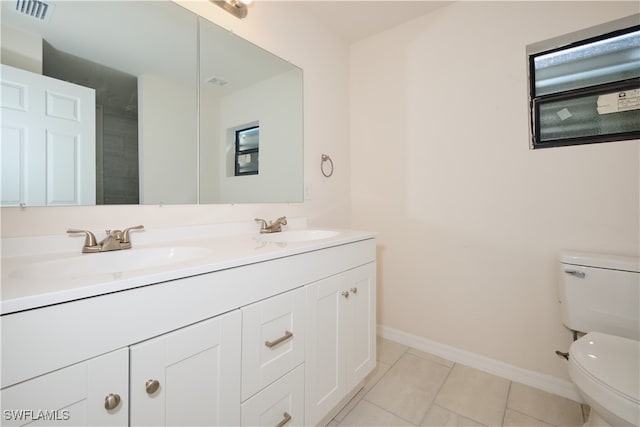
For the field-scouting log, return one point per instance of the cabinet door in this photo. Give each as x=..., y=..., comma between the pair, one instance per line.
x=341, y=338
x=93, y=393
x=280, y=404
x=325, y=363
x=190, y=376
x=272, y=340
x=362, y=323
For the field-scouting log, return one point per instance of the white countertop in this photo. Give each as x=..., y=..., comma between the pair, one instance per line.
x=223, y=246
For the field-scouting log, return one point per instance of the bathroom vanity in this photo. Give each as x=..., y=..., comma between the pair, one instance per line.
x=210, y=325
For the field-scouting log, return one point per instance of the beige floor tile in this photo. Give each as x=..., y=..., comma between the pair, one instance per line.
x=375, y=375
x=408, y=388
x=516, y=419
x=349, y=406
x=333, y=423
x=552, y=409
x=371, y=380
x=367, y=414
x=474, y=394
x=438, y=416
x=432, y=357
x=389, y=351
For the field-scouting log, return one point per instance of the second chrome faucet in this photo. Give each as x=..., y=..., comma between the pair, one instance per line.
x=114, y=241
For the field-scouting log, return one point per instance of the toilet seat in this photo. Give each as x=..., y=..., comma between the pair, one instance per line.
x=606, y=368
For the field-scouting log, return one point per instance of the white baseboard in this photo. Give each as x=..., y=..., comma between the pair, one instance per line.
x=538, y=380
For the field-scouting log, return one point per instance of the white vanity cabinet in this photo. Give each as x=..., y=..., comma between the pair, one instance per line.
x=341, y=343
x=188, y=377
x=279, y=337
x=94, y=392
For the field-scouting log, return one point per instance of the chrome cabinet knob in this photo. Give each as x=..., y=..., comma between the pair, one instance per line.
x=354, y=290
x=111, y=402
x=152, y=386
x=345, y=294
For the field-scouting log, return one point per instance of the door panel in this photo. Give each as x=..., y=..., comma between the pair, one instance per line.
x=56, y=165
x=197, y=369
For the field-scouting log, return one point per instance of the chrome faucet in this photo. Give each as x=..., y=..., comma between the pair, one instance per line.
x=273, y=226
x=114, y=241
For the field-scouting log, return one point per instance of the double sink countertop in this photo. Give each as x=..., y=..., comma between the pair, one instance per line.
x=41, y=271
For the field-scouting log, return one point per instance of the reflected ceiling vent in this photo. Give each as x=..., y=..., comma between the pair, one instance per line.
x=36, y=9
x=217, y=81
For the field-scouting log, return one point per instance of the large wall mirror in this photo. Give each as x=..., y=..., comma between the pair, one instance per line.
x=143, y=102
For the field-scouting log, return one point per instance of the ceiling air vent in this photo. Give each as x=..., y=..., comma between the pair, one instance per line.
x=35, y=8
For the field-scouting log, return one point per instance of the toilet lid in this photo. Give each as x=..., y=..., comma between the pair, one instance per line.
x=613, y=361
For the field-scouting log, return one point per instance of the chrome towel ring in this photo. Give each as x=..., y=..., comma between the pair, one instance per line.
x=324, y=160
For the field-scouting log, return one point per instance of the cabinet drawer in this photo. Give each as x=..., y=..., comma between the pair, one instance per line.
x=281, y=404
x=272, y=339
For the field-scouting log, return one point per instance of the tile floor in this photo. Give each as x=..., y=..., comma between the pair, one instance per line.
x=412, y=388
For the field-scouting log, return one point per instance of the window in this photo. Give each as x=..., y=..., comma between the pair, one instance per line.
x=246, y=153
x=586, y=91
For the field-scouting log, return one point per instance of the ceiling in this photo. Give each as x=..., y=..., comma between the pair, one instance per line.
x=357, y=19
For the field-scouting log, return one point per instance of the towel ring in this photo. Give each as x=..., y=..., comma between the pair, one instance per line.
x=325, y=159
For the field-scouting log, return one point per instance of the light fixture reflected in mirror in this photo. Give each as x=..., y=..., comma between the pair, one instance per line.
x=237, y=8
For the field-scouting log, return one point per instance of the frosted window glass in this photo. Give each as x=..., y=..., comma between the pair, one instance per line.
x=604, y=61
x=578, y=117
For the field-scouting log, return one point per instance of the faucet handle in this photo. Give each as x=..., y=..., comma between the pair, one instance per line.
x=282, y=220
x=89, y=239
x=117, y=234
x=125, y=233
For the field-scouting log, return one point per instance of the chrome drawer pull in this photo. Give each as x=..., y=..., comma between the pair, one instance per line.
x=285, y=420
x=576, y=273
x=283, y=338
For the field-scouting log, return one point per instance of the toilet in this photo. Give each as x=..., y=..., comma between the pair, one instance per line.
x=600, y=296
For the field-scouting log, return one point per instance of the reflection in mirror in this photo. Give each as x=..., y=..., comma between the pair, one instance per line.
x=119, y=125
x=119, y=122
x=250, y=122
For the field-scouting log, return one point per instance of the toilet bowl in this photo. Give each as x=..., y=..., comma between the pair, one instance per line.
x=606, y=370
x=600, y=296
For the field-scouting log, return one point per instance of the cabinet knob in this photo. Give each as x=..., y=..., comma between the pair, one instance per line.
x=345, y=294
x=152, y=386
x=354, y=290
x=111, y=402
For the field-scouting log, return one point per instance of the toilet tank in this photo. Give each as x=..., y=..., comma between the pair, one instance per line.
x=600, y=293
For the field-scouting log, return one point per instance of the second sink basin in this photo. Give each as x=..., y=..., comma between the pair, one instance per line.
x=303, y=235
x=112, y=262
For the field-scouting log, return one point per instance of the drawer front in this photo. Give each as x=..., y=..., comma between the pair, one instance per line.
x=281, y=404
x=272, y=340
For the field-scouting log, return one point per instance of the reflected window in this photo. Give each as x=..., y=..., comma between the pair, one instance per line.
x=247, y=143
x=587, y=91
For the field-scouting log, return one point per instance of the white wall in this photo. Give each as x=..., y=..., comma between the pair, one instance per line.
x=325, y=61
x=166, y=141
x=471, y=221
x=21, y=49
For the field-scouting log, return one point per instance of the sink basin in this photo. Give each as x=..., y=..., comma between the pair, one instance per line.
x=109, y=262
x=297, y=236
